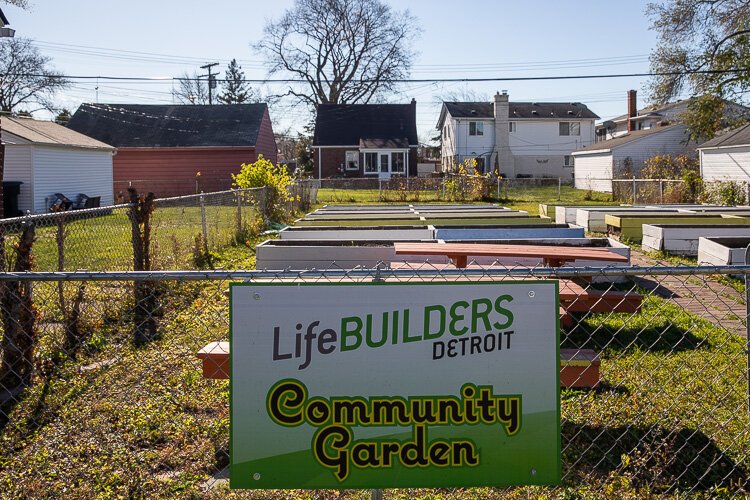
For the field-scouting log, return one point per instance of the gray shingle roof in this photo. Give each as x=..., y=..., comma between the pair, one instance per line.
x=138, y=125
x=559, y=110
x=44, y=132
x=736, y=137
x=347, y=124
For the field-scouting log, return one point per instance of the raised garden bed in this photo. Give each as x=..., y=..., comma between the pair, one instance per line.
x=385, y=233
x=474, y=232
x=630, y=226
x=325, y=254
x=682, y=239
x=722, y=251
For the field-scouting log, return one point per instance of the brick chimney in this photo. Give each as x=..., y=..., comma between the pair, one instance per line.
x=632, y=109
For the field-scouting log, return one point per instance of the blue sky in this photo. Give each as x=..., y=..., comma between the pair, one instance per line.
x=464, y=39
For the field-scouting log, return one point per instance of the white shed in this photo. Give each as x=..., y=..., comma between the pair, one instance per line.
x=727, y=157
x=595, y=166
x=49, y=158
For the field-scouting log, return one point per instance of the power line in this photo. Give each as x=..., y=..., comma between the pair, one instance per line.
x=413, y=80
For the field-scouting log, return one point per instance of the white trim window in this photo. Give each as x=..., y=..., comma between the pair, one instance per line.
x=570, y=128
x=398, y=163
x=568, y=161
x=512, y=126
x=386, y=161
x=476, y=128
x=352, y=160
x=371, y=162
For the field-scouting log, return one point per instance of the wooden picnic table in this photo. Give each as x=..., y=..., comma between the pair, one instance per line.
x=552, y=256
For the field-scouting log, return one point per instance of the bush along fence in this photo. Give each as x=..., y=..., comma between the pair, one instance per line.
x=449, y=187
x=654, y=401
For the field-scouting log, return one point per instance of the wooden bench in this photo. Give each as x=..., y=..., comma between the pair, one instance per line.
x=552, y=256
x=578, y=367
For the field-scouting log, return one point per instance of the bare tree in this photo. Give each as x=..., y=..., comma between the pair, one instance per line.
x=24, y=4
x=25, y=76
x=191, y=89
x=345, y=51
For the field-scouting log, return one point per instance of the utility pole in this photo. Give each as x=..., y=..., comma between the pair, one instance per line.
x=211, y=80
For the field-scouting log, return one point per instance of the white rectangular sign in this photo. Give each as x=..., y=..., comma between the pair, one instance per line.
x=394, y=385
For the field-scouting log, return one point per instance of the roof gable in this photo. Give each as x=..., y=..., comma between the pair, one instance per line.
x=136, y=125
x=44, y=132
x=737, y=137
x=348, y=124
x=3, y=19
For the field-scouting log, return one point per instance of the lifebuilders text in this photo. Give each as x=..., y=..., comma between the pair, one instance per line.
x=462, y=319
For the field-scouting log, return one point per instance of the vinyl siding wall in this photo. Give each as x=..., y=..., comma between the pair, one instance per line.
x=727, y=164
x=172, y=171
x=18, y=162
x=594, y=171
x=71, y=171
x=673, y=141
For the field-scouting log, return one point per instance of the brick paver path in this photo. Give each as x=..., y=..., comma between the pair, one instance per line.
x=703, y=296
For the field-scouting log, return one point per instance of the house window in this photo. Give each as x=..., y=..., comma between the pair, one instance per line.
x=371, y=163
x=476, y=128
x=570, y=128
x=568, y=161
x=352, y=160
x=511, y=126
x=397, y=163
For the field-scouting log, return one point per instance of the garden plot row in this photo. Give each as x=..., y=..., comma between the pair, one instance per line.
x=365, y=235
x=716, y=234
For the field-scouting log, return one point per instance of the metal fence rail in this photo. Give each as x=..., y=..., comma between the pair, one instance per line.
x=91, y=407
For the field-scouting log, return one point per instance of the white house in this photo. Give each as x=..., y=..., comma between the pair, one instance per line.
x=624, y=156
x=727, y=157
x=49, y=158
x=653, y=116
x=515, y=139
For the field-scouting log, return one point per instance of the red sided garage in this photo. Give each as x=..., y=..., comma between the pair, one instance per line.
x=174, y=150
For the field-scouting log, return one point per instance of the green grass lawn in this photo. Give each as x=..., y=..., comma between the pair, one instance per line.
x=115, y=420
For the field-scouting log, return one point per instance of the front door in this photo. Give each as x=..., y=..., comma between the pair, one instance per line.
x=385, y=170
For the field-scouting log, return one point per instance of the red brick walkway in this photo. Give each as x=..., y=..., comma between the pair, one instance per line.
x=701, y=295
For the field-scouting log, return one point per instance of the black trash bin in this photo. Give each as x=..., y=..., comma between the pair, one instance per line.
x=11, y=190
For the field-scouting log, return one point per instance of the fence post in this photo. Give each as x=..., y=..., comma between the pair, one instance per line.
x=661, y=190
x=203, y=224
x=747, y=324
x=239, y=214
x=376, y=494
x=633, y=190
x=559, y=188
x=498, y=189
x=444, y=188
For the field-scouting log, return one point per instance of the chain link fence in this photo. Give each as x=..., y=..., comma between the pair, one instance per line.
x=101, y=393
x=181, y=230
x=448, y=187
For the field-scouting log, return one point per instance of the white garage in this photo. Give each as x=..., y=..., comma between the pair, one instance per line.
x=596, y=165
x=49, y=158
x=727, y=157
